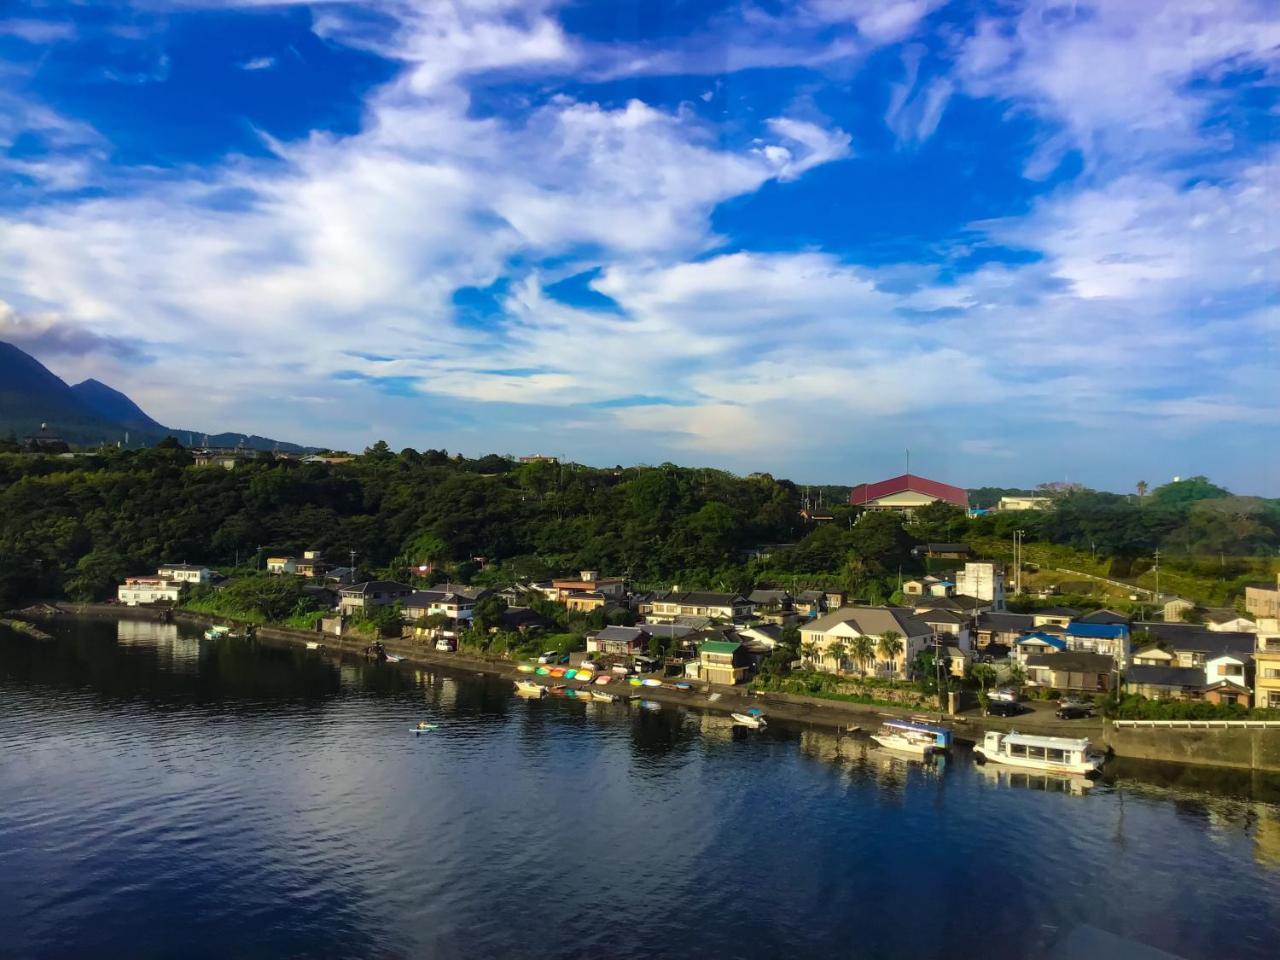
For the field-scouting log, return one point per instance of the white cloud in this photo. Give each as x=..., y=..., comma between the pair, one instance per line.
x=258, y=63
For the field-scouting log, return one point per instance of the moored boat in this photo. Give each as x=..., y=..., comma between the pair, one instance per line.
x=314, y=645
x=527, y=688
x=755, y=720
x=1058, y=754
x=602, y=697
x=392, y=658
x=219, y=632
x=898, y=735
x=526, y=668
x=424, y=727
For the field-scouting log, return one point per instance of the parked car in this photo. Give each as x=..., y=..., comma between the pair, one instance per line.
x=564, y=658
x=620, y=669
x=446, y=646
x=1005, y=708
x=1075, y=711
x=551, y=656
x=1007, y=694
x=1075, y=702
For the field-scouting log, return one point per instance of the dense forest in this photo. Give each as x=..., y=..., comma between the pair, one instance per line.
x=76, y=526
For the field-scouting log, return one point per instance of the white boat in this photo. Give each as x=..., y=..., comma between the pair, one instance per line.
x=899, y=737
x=392, y=658
x=424, y=727
x=602, y=697
x=314, y=645
x=218, y=633
x=749, y=720
x=527, y=688
x=1057, y=754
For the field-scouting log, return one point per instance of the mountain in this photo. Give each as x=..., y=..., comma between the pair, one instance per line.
x=112, y=405
x=90, y=412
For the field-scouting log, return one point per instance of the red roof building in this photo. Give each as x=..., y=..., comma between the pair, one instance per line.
x=906, y=493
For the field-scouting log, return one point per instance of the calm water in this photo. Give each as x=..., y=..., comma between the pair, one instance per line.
x=162, y=796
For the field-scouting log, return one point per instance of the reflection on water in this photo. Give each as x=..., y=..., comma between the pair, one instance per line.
x=166, y=794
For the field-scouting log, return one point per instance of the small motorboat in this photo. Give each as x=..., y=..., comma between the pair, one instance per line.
x=684, y=686
x=314, y=645
x=603, y=680
x=219, y=632
x=636, y=682
x=650, y=682
x=392, y=658
x=570, y=673
x=526, y=668
x=603, y=697
x=527, y=688
x=898, y=737
x=754, y=721
x=542, y=671
x=425, y=727
x=558, y=672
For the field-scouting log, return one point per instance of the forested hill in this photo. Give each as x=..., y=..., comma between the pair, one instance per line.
x=75, y=527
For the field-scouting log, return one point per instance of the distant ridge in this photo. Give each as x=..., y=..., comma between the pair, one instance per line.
x=91, y=412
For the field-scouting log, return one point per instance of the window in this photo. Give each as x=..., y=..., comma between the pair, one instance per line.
x=1017, y=750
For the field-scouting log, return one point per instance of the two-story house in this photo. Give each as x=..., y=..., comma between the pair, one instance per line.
x=845, y=625
x=136, y=591
x=724, y=661
x=364, y=597
x=1109, y=639
x=184, y=573
x=1266, y=662
x=693, y=603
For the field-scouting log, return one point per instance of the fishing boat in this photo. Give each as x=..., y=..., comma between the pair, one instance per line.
x=219, y=632
x=753, y=718
x=897, y=735
x=1058, y=754
x=424, y=727
x=527, y=688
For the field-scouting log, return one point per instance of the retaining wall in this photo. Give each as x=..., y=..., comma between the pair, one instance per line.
x=1256, y=748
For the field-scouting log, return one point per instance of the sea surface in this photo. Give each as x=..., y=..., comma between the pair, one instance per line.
x=166, y=796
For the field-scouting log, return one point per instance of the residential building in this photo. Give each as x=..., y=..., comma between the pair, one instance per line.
x=770, y=634
x=1111, y=639
x=619, y=641
x=929, y=587
x=773, y=601
x=588, y=581
x=1034, y=644
x=1072, y=670
x=310, y=564
x=586, y=602
x=1226, y=620
x=1013, y=504
x=723, y=661
x=811, y=603
x=524, y=619
x=446, y=600
x=140, y=591
x=948, y=622
x=1105, y=616
x=1054, y=616
x=984, y=581
x=1263, y=600
x=848, y=623
x=1266, y=660
x=1001, y=628
x=364, y=597
x=965, y=606
x=184, y=573
x=906, y=494
x=1191, y=645
x=1164, y=682
x=693, y=603
x=225, y=458
x=327, y=458
x=281, y=563
x=1175, y=610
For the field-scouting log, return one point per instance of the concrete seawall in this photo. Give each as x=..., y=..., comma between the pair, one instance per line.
x=1252, y=748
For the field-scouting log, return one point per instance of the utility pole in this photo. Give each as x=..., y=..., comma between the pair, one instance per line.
x=1157, y=570
x=1017, y=560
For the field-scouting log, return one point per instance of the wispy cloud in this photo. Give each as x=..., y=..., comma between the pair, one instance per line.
x=258, y=63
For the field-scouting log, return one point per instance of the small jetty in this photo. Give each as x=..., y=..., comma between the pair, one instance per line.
x=21, y=626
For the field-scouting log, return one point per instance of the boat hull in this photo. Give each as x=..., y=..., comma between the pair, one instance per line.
x=903, y=745
x=742, y=719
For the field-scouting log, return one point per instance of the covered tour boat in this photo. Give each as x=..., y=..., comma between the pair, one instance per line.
x=1059, y=754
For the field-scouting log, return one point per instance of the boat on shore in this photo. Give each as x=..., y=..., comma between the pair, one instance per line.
x=219, y=632
x=602, y=697
x=314, y=645
x=898, y=736
x=753, y=719
x=1055, y=754
x=392, y=658
x=527, y=688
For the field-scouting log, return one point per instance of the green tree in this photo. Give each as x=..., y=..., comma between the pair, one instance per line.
x=837, y=650
x=890, y=646
x=863, y=649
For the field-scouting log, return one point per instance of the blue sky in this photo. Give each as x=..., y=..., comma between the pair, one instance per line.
x=1028, y=241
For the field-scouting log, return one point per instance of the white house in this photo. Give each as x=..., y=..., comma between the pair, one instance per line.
x=145, y=590
x=985, y=581
x=184, y=573
x=848, y=623
x=1012, y=504
x=1229, y=668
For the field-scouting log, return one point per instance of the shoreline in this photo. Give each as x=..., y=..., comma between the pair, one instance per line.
x=1258, y=756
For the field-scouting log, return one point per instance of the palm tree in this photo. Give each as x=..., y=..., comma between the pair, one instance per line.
x=1142, y=489
x=863, y=649
x=809, y=650
x=985, y=674
x=890, y=647
x=838, y=651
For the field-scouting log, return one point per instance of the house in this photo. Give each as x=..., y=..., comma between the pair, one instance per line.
x=311, y=564
x=340, y=575
x=1014, y=504
x=1226, y=620
x=1191, y=645
x=1001, y=628
x=225, y=458
x=1263, y=599
x=849, y=623
x=1054, y=616
x=983, y=581
x=456, y=603
x=363, y=597
x=943, y=551
x=184, y=573
x=1071, y=670
x=1106, y=616
x=586, y=601
x=965, y=606
x=327, y=458
x=1175, y=610
x=136, y=591
x=693, y=603
x=810, y=603
x=281, y=563
x=524, y=620
x=956, y=659
x=1111, y=639
x=1164, y=682
x=588, y=581
x=905, y=494
x=619, y=641
x=946, y=621
x=723, y=661
x=769, y=634
x=1033, y=644
x=770, y=600
x=1266, y=662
